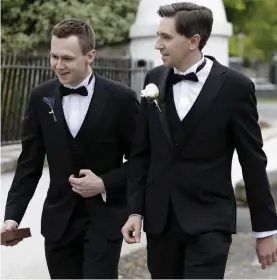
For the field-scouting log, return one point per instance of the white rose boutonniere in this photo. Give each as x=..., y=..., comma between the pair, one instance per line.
x=151, y=92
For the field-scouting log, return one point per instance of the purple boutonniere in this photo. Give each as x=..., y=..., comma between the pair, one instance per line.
x=50, y=101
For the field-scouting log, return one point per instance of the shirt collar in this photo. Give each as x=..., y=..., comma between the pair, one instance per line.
x=83, y=83
x=192, y=69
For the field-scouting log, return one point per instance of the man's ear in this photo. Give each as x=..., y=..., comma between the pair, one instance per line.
x=194, y=42
x=91, y=56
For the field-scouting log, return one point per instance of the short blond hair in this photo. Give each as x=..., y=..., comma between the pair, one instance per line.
x=78, y=28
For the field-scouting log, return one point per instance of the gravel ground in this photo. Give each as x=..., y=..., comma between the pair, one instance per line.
x=241, y=263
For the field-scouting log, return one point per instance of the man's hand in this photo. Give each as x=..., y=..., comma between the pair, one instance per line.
x=132, y=226
x=87, y=186
x=9, y=226
x=266, y=249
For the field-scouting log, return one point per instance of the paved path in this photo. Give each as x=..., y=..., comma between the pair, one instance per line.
x=268, y=110
x=26, y=261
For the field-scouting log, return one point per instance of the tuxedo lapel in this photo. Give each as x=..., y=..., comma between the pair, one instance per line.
x=57, y=128
x=92, y=119
x=97, y=104
x=59, y=113
x=205, y=98
x=162, y=85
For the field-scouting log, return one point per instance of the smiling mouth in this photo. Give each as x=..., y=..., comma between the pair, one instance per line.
x=63, y=74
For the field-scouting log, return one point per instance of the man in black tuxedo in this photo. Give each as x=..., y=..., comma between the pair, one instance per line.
x=84, y=123
x=195, y=112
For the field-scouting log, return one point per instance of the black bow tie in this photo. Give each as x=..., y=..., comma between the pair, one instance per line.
x=80, y=90
x=67, y=91
x=176, y=78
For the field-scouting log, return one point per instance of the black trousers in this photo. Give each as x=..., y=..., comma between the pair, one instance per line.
x=83, y=253
x=177, y=255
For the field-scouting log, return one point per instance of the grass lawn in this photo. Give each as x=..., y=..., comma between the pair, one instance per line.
x=264, y=99
x=263, y=124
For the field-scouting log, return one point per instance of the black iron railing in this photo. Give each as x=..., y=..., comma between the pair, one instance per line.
x=19, y=74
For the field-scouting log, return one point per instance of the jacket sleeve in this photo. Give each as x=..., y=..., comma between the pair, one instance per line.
x=29, y=166
x=249, y=144
x=115, y=181
x=139, y=162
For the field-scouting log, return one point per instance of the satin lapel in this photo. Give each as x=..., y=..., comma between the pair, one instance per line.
x=209, y=91
x=58, y=127
x=59, y=113
x=98, y=102
x=162, y=84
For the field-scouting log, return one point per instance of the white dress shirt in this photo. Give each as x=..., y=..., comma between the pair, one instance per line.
x=75, y=107
x=185, y=94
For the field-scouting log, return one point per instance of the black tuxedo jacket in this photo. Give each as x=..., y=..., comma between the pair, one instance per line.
x=107, y=133
x=194, y=170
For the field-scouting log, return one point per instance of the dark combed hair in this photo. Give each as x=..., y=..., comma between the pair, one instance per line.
x=190, y=19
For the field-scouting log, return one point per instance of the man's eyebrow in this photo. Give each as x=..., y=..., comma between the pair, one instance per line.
x=63, y=56
x=163, y=34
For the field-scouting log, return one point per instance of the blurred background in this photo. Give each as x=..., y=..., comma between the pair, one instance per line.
x=244, y=37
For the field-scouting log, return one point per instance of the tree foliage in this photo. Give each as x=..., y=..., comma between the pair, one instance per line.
x=27, y=24
x=254, y=27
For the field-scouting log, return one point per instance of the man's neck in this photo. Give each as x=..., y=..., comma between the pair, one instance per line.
x=88, y=73
x=189, y=62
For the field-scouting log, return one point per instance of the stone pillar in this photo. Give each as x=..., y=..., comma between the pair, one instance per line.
x=236, y=63
x=143, y=31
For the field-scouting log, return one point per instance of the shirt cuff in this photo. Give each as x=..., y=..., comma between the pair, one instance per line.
x=104, y=196
x=264, y=233
x=135, y=215
x=12, y=221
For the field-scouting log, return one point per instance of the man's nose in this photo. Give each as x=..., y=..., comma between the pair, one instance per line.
x=59, y=64
x=158, y=45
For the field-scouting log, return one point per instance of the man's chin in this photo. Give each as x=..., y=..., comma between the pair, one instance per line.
x=167, y=64
x=64, y=80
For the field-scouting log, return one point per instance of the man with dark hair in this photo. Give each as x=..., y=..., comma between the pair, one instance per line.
x=84, y=123
x=194, y=113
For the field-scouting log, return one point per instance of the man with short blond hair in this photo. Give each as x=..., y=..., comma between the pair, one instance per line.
x=84, y=123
